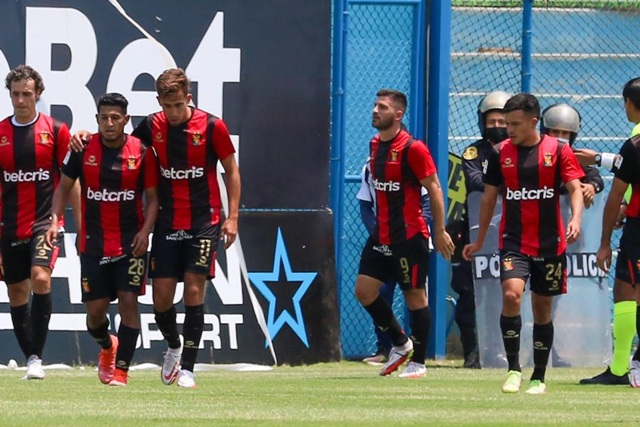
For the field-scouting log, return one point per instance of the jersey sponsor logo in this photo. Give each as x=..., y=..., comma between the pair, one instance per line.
x=91, y=161
x=535, y=194
x=178, y=236
x=173, y=173
x=508, y=163
x=386, y=185
x=105, y=195
x=4, y=140
x=22, y=176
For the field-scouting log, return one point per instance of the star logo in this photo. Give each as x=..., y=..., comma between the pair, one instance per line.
x=296, y=321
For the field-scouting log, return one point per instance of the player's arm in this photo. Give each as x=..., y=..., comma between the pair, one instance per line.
x=441, y=239
x=611, y=210
x=575, y=203
x=60, y=198
x=141, y=239
x=232, y=182
x=487, y=206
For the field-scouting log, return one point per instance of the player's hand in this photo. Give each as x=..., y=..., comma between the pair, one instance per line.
x=604, y=258
x=573, y=230
x=622, y=214
x=444, y=245
x=140, y=243
x=588, y=193
x=586, y=156
x=470, y=249
x=229, y=231
x=51, y=235
x=78, y=140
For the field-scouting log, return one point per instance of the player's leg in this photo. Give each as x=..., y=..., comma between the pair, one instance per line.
x=165, y=267
x=129, y=275
x=97, y=293
x=514, y=272
x=624, y=321
x=383, y=343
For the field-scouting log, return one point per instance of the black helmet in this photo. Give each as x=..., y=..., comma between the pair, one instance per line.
x=492, y=101
x=561, y=117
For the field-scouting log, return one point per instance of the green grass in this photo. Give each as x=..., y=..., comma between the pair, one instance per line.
x=591, y=4
x=343, y=394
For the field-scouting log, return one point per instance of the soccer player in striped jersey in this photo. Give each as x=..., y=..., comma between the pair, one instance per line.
x=115, y=171
x=528, y=169
x=32, y=148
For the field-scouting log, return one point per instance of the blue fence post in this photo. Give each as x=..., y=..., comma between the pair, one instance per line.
x=340, y=17
x=439, y=39
x=527, y=41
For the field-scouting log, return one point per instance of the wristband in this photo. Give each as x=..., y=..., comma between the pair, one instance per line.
x=607, y=160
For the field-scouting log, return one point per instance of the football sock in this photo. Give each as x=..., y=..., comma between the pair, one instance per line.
x=40, y=315
x=166, y=322
x=127, y=338
x=420, y=322
x=101, y=335
x=383, y=317
x=192, y=332
x=624, y=329
x=510, y=327
x=636, y=355
x=542, y=342
x=22, y=327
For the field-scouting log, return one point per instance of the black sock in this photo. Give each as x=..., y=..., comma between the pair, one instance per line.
x=192, y=332
x=168, y=327
x=636, y=355
x=127, y=338
x=384, y=319
x=542, y=342
x=420, y=322
x=510, y=327
x=40, y=315
x=22, y=327
x=101, y=335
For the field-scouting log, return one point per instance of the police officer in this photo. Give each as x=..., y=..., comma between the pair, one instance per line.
x=493, y=129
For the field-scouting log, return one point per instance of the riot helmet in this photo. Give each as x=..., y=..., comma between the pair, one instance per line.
x=561, y=117
x=492, y=101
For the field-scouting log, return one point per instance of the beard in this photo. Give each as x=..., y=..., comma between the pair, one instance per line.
x=382, y=124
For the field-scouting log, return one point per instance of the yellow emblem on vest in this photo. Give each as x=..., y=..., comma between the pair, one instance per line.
x=470, y=153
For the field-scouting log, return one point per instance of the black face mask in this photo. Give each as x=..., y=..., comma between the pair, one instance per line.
x=496, y=135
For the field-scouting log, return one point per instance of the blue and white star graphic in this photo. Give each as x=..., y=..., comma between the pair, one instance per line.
x=274, y=324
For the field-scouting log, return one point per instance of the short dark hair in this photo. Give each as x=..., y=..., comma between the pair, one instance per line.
x=113, y=100
x=24, y=72
x=396, y=96
x=525, y=102
x=171, y=81
x=631, y=91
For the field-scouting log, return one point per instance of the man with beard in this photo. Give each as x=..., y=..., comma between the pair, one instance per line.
x=400, y=166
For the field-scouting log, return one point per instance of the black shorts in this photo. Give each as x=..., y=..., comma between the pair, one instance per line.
x=18, y=256
x=628, y=262
x=407, y=263
x=548, y=274
x=104, y=277
x=175, y=252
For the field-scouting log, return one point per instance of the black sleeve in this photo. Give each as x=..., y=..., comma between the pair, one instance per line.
x=492, y=171
x=626, y=167
x=473, y=174
x=592, y=176
x=143, y=131
x=72, y=165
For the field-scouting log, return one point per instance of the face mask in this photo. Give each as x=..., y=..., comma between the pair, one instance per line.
x=496, y=135
x=565, y=140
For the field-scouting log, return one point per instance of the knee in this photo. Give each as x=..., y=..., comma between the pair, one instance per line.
x=41, y=281
x=511, y=299
x=18, y=293
x=365, y=294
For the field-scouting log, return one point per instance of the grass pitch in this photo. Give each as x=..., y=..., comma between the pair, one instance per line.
x=341, y=394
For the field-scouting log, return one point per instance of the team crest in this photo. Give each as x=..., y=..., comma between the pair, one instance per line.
x=507, y=264
x=44, y=138
x=394, y=155
x=131, y=163
x=85, y=285
x=548, y=159
x=91, y=161
x=4, y=140
x=196, y=138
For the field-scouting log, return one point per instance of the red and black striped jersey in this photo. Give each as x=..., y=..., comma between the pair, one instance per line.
x=397, y=167
x=188, y=155
x=530, y=179
x=625, y=168
x=112, y=184
x=30, y=160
